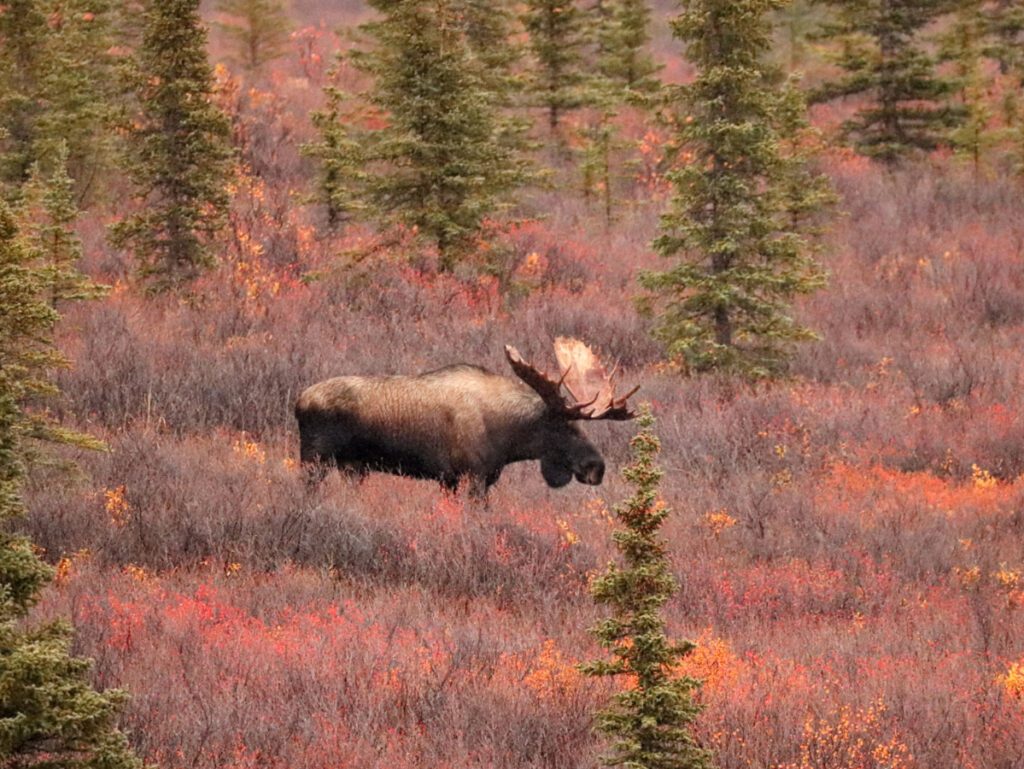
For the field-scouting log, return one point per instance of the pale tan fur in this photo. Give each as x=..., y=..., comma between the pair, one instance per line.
x=440, y=416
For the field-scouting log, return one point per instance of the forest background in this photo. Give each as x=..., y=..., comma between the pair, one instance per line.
x=847, y=536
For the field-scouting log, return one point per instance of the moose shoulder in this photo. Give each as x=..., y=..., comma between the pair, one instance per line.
x=463, y=422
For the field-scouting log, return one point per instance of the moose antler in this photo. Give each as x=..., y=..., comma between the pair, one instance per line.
x=586, y=380
x=550, y=390
x=591, y=389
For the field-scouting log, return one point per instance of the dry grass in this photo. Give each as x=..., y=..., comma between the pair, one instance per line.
x=847, y=543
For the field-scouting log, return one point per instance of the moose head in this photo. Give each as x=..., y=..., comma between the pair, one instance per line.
x=583, y=391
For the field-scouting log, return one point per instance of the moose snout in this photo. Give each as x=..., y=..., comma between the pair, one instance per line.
x=591, y=473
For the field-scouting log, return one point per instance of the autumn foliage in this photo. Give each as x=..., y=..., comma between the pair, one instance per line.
x=846, y=542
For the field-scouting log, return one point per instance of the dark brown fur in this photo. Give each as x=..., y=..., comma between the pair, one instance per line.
x=458, y=422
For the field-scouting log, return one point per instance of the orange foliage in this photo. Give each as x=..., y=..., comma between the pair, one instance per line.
x=718, y=521
x=116, y=505
x=848, y=540
x=875, y=492
x=545, y=671
x=251, y=450
x=852, y=738
x=1013, y=680
x=712, y=662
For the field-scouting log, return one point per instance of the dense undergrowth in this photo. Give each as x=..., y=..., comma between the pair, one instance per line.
x=847, y=542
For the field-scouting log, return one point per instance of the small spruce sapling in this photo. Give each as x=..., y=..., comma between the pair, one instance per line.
x=649, y=721
x=341, y=185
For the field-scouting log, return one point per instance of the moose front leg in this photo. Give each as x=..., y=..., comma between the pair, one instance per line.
x=475, y=485
x=315, y=470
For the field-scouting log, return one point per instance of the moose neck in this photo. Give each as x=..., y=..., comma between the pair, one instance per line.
x=528, y=441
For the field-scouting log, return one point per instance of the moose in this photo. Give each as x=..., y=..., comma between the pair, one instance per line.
x=463, y=423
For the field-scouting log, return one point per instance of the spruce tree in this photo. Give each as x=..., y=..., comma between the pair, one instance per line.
x=1004, y=23
x=49, y=714
x=600, y=141
x=623, y=74
x=23, y=31
x=557, y=32
x=963, y=45
x=439, y=164
x=84, y=91
x=259, y=30
x=806, y=194
x=59, y=82
x=27, y=321
x=649, y=721
x=622, y=37
x=46, y=219
x=736, y=218
x=179, y=152
x=489, y=28
x=796, y=24
x=338, y=153
x=882, y=55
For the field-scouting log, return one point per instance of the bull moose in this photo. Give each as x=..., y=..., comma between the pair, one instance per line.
x=463, y=422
